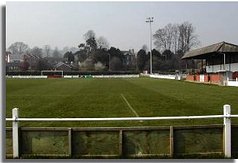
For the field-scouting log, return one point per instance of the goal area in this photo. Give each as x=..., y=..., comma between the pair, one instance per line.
x=53, y=73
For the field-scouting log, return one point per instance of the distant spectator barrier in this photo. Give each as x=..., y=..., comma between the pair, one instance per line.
x=168, y=76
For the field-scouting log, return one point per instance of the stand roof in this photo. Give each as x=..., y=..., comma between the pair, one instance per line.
x=211, y=50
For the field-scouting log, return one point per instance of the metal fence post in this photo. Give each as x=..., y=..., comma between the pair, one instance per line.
x=15, y=136
x=227, y=130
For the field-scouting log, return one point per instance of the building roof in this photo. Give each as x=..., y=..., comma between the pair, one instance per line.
x=62, y=64
x=218, y=48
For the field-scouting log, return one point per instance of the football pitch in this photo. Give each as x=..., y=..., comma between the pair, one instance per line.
x=135, y=97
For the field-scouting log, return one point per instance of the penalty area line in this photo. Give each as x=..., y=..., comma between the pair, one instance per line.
x=128, y=104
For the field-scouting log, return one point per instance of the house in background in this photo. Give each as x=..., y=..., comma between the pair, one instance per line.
x=129, y=56
x=55, y=60
x=32, y=60
x=129, y=59
x=62, y=66
x=218, y=61
x=12, y=64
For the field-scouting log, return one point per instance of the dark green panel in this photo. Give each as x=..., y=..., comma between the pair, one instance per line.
x=44, y=142
x=95, y=143
x=146, y=142
x=9, y=142
x=234, y=140
x=190, y=141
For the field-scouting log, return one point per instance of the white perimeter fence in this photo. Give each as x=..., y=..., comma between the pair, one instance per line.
x=74, y=76
x=226, y=118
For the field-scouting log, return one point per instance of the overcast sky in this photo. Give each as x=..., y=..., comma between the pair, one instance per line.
x=121, y=23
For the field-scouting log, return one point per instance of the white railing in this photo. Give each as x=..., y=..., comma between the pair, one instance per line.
x=226, y=117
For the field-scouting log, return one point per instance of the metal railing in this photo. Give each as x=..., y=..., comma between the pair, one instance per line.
x=226, y=118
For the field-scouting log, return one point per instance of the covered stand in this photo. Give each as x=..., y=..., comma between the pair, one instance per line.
x=221, y=60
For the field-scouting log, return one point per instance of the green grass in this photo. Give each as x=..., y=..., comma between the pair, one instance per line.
x=103, y=98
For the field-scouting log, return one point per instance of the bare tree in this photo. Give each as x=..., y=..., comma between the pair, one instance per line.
x=160, y=39
x=187, y=38
x=47, y=50
x=176, y=37
x=36, y=51
x=169, y=34
x=165, y=37
x=18, y=48
x=56, y=53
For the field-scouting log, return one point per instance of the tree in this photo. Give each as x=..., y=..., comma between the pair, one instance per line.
x=166, y=38
x=42, y=64
x=91, y=42
x=187, y=38
x=65, y=50
x=176, y=37
x=81, y=55
x=47, y=50
x=73, y=49
x=89, y=34
x=141, y=59
x=156, y=59
x=160, y=39
x=168, y=61
x=167, y=54
x=36, y=51
x=56, y=53
x=102, y=43
x=115, y=64
x=82, y=45
x=90, y=38
x=70, y=56
x=18, y=48
x=145, y=48
x=115, y=52
x=101, y=55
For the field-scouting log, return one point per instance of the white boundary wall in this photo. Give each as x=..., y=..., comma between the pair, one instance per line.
x=27, y=77
x=116, y=76
x=163, y=76
x=232, y=83
x=74, y=76
x=71, y=76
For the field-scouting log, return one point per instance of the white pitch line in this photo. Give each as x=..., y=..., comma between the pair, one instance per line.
x=129, y=105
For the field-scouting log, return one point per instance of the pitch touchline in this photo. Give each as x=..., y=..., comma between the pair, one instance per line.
x=129, y=105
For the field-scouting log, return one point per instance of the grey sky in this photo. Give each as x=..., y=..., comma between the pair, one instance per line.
x=121, y=23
